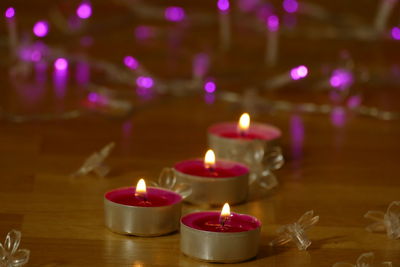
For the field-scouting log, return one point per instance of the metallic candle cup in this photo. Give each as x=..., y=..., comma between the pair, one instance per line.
x=124, y=216
x=230, y=182
x=201, y=239
x=226, y=141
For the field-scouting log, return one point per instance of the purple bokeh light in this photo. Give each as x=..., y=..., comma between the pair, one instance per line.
x=299, y=72
x=396, y=33
x=290, y=6
x=131, y=62
x=174, y=13
x=84, y=11
x=223, y=5
x=273, y=23
x=210, y=86
x=10, y=13
x=145, y=82
x=341, y=79
x=41, y=28
x=61, y=64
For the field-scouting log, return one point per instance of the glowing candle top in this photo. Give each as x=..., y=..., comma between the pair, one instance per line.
x=209, y=159
x=244, y=123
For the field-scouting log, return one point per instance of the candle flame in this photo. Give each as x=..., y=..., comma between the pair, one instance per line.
x=225, y=214
x=244, y=123
x=209, y=159
x=141, y=189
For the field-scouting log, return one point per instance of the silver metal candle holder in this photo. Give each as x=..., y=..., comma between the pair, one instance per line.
x=261, y=156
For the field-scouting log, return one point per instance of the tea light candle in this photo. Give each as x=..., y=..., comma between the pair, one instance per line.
x=142, y=211
x=223, y=137
x=220, y=237
x=213, y=181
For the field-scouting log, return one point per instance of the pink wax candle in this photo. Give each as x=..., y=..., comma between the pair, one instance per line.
x=142, y=211
x=240, y=141
x=213, y=181
x=244, y=131
x=220, y=236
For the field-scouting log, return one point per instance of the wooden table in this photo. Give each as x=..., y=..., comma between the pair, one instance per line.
x=340, y=171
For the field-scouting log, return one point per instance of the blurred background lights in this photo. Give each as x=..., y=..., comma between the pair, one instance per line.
x=174, y=13
x=145, y=82
x=290, y=6
x=41, y=28
x=61, y=64
x=223, y=5
x=84, y=11
x=299, y=72
x=210, y=86
x=10, y=13
x=131, y=62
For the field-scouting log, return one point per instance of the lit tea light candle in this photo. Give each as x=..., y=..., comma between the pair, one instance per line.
x=225, y=137
x=142, y=211
x=213, y=181
x=220, y=236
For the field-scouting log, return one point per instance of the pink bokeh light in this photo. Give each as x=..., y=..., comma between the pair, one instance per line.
x=61, y=64
x=210, y=86
x=174, y=13
x=290, y=6
x=223, y=5
x=395, y=33
x=145, y=82
x=131, y=62
x=273, y=23
x=10, y=13
x=84, y=11
x=41, y=28
x=299, y=72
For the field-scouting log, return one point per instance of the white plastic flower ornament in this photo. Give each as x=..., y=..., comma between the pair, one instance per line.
x=389, y=221
x=365, y=260
x=10, y=255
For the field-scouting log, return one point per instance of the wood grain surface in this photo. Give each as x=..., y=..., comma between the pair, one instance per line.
x=340, y=169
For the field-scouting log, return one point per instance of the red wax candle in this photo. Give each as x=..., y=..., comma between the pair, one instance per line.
x=222, y=169
x=214, y=184
x=256, y=131
x=155, y=212
x=210, y=221
x=204, y=238
x=156, y=197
